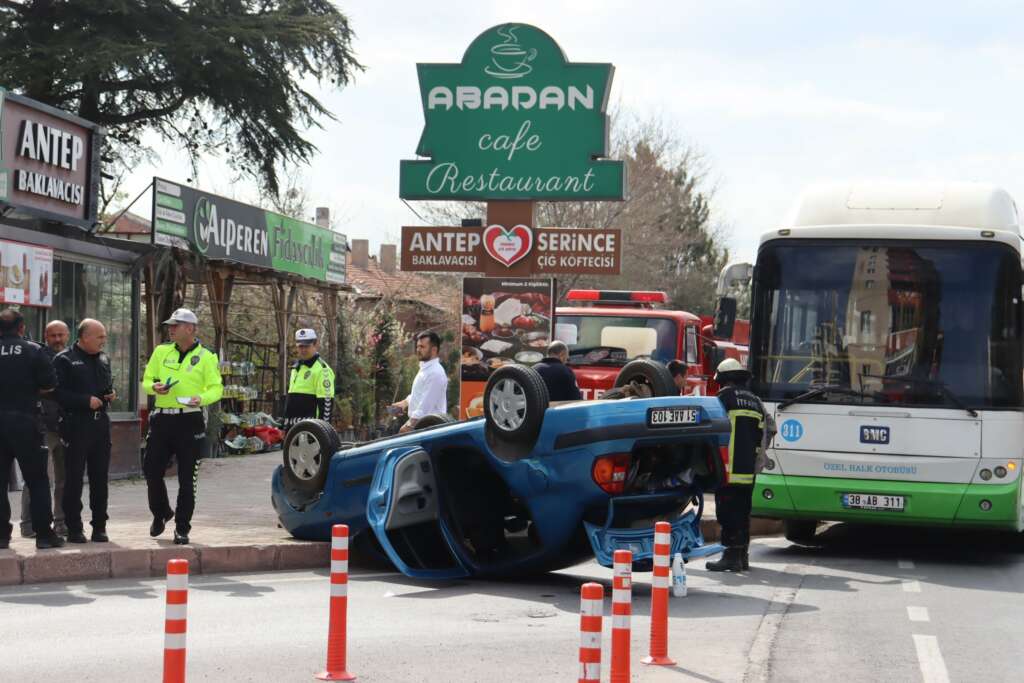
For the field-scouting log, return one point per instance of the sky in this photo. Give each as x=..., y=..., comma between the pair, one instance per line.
x=774, y=95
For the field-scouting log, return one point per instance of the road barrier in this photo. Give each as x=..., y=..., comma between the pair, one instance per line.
x=659, y=597
x=591, y=609
x=175, y=621
x=622, y=608
x=337, y=627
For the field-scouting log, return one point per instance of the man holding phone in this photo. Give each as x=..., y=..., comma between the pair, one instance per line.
x=185, y=377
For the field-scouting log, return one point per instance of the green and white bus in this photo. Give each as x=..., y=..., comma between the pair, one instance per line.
x=886, y=339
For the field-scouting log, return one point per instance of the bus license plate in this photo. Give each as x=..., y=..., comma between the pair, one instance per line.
x=672, y=417
x=872, y=501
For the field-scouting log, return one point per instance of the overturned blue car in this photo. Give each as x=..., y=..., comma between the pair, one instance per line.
x=529, y=487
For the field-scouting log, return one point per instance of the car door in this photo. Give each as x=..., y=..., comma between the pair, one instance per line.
x=405, y=513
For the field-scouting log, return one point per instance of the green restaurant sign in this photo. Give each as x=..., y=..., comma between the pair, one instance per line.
x=225, y=230
x=514, y=121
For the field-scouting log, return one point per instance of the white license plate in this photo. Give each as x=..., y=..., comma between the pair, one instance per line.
x=873, y=501
x=672, y=417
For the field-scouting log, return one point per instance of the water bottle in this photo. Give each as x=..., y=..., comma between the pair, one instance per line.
x=678, y=576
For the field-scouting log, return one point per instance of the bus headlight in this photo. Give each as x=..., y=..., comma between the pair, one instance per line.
x=985, y=505
x=769, y=464
x=1000, y=471
x=985, y=474
x=768, y=494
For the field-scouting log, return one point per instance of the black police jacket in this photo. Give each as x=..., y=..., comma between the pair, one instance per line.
x=559, y=379
x=24, y=372
x=80, y=376
x=48, y=406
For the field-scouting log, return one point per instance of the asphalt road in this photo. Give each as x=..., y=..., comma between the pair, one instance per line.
x=866, y=606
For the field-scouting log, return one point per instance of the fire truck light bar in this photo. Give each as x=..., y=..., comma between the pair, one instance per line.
x=623, y=296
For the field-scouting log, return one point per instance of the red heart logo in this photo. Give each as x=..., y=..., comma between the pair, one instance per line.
x=508, y=246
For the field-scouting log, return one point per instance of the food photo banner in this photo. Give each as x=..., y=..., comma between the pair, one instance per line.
x=222, y=229
x=504, y=320
x=496, y=247
x=514, y=120
x=26, y=274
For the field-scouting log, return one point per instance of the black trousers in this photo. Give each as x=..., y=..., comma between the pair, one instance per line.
x=22, y=440
x=181, y=435
x=86, y=438
x=732, y=507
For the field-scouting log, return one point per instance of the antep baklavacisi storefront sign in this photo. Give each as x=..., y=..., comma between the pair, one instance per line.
x=225, y=230
x=49, y=161
x=515, y=120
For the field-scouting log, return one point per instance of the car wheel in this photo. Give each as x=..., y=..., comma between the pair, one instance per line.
x=647, y=374
x=308, y=448
x=432, y=421
x=515, y=400
x=800, y=531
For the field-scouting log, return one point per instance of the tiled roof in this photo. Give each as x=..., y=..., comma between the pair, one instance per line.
x=130, y=223
x=374, y=281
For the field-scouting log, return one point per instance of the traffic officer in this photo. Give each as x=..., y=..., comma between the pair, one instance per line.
x=311, y=386
x=733, y=500
x=25, y=373
x=85, y=391
x=185, y=377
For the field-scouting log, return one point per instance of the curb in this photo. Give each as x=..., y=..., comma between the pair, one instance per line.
x=123, y=563
x=712, y=530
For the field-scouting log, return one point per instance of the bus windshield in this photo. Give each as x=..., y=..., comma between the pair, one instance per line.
x=615, y=340
x=916, y=324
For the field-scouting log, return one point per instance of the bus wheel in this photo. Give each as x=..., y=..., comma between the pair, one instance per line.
x=800, y=530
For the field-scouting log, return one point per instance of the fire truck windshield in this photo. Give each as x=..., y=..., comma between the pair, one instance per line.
x=894, y=323
x=639, y=337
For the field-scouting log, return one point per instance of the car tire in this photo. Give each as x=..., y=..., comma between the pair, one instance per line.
x=308, y=448
x=515, y=400
x=650, y=373
x=434, y=420
x=800, y=531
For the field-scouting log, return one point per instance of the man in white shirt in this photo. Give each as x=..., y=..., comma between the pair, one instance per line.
x=429, y=395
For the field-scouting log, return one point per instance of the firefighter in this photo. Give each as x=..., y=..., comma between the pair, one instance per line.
x=185, y=377
x=25, y=373
x=733, y=499
x=311, y=387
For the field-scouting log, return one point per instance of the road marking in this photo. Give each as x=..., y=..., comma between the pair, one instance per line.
x=759, y=657
x=197, y=582
x=911, y=586
x=906, y=564
x=929, y=658
x=918, y=613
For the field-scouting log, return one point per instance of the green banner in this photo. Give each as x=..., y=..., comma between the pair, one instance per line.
x=514, y=120
x=225, y=230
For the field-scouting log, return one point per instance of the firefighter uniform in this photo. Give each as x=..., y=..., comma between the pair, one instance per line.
x=24, y=371
x=310, y=387
x=733, y=500
x=176, y=429
x=86, y=436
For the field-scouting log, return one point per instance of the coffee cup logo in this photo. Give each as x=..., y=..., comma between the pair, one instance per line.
x=509, y=59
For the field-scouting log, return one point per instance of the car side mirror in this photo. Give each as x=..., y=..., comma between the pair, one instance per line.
x=725, y=317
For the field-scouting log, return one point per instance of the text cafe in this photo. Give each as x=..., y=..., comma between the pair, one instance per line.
x=52, y=264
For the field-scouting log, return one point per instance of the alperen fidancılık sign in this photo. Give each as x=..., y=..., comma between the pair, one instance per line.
x=49, y=161
x=222, y=229
x=515, y=120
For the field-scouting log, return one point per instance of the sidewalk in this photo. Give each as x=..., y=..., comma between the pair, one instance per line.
x=234, y=529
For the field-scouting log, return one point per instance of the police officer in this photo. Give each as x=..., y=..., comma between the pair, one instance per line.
x=311, y=386
x=84, y=391
x=733, y=500
x=25, y=372
x=185, y=377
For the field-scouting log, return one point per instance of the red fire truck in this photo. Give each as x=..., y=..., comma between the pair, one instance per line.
x=605, y=329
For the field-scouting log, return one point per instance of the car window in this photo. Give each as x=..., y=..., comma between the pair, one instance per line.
x=637, y=336
x=691, y=345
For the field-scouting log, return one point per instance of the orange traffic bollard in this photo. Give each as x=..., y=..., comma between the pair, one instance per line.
x=591, y=608
x=175, y=621
x=659, y=597
x=336, y=630
x=622, y=608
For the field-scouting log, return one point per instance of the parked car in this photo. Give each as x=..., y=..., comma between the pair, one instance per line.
x=528, y=487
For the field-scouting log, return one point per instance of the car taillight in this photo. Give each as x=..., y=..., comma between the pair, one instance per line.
x=723, y=453
x=610, y=472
